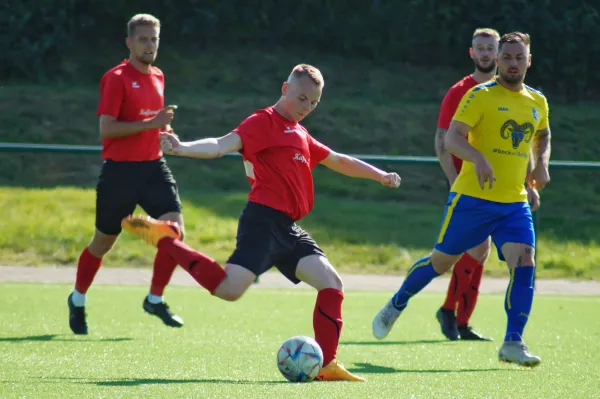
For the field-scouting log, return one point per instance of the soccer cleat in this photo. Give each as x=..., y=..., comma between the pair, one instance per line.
x=77, y=315
x=517, y=352
x=162, y=311
x=468, y=333
x=384, y=320
x=149, y=229
x=447, y=321
x=335, y=371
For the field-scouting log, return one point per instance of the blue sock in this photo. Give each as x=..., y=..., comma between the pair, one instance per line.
x=518, y=301
x=418, y=276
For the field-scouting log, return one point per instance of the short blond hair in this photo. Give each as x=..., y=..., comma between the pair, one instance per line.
x=307, y=70
x=141, y=20
x=486, y=32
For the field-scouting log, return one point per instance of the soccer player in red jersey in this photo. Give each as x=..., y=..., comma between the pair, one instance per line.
x=279, y=155
x=463, y=290
x=132, y=115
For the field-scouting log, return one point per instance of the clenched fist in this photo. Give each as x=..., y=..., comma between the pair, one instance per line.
x=169, y=143
x=391, y=180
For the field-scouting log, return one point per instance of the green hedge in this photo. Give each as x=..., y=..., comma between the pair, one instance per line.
x=41, y=36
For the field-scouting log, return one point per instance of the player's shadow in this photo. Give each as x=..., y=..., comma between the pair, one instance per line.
x=419, y=342
x=369, y=368
x=60, y=338
x=132, y=382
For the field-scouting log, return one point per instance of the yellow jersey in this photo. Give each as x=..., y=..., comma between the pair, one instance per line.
x=503, y=124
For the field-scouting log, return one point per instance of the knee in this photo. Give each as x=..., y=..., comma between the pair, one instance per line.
x=330, y=279
x=527, y=257
x=100, y=247
x=335, y=282
x=481, y=252
x=442, y=262
x=229, y=294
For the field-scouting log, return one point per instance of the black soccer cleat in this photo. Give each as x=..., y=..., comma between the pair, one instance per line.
x=162, y=311
x=447, y=321
x=468, y=333
x=77, y=317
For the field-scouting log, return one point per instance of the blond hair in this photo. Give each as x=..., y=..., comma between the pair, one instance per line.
x=307, y=70
x=486, y=32
x=141, y=20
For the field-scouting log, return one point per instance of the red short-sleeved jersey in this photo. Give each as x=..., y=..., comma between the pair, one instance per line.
x=449, y=105
x=279, y=156
x=128, y=94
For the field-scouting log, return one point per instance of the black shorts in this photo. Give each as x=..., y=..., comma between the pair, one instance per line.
x=123, y=185
x=267, y=237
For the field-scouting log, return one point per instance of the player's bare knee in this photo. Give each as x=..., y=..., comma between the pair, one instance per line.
x=527, y=257
x=229, y=291
x=100, y=249
x=319, y=273
x=231, y=295
x=442, y=262
x=334, y=281
x=101, y=244
x=236, y=283
x=481, y=252
x=518, y=254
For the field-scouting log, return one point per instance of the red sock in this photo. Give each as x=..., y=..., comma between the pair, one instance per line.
x=203, y=269
x=463, y=271
x=468, y=300
x=451, y=295
x=327, y=322
x=164, y=266
x=87, y=267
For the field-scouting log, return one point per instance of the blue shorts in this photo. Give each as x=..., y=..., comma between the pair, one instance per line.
x=468, y=221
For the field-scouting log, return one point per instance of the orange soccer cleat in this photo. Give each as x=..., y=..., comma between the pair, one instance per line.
x=149, y=229
x=335, y=371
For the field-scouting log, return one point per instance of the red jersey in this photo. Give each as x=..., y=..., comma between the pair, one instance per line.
x=128, y=94
x=279, y=157
x=449, y=105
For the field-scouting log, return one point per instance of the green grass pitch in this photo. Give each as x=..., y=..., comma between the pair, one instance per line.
x=228, y=349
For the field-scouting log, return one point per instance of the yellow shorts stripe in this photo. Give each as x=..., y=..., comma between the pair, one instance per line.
x=447, y=218
x=510, y=285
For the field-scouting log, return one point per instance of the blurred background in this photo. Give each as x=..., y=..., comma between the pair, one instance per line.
x=387, y=65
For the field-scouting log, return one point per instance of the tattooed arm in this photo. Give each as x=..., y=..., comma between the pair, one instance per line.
x=540, y=176
x=541, y=147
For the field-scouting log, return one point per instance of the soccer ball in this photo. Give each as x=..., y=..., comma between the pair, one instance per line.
x=300, y=359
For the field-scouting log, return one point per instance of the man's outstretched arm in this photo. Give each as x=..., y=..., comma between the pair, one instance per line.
x=353, y=167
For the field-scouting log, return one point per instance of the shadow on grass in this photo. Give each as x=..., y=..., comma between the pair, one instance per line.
x=419, y=342
x=368, y=368
x=60, y=338
x=131, y=382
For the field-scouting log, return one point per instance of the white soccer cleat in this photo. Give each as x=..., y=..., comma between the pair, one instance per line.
x=384, y=320
x=517, y=352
